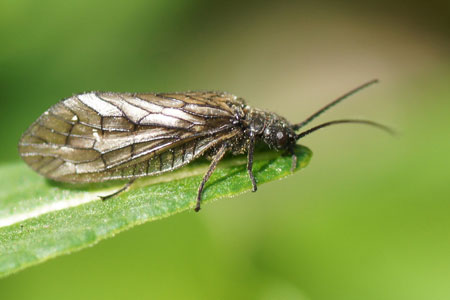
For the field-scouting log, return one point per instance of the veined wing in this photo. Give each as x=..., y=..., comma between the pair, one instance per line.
x=100, y=136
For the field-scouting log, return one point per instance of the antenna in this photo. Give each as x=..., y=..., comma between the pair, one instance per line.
x=371, y=123
x=333, y=103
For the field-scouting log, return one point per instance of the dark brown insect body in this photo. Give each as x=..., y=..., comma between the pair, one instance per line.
x=96, y=137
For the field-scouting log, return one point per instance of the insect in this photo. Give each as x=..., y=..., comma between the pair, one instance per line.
x=95, y=137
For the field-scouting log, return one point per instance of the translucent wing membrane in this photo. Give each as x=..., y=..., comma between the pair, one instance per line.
x=101, y=136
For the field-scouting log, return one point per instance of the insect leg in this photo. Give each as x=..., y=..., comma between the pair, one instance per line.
x=212, y=167
x=251, y=149
x=126, y=186
x=294, y=162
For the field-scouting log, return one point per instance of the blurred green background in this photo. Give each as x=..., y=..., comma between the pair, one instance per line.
x=368, y=219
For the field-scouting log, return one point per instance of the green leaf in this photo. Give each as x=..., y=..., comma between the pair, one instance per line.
x=41, y=219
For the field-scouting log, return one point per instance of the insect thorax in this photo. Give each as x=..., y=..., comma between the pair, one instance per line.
x=268, y=127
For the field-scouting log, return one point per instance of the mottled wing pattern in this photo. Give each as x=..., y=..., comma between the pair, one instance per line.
x=102, y=136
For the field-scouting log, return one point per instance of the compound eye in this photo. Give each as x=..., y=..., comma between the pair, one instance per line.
x=282, y=139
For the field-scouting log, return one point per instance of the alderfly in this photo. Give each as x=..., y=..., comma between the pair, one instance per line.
x=95, y=137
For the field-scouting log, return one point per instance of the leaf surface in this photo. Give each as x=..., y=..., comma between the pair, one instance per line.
x=41, y=219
